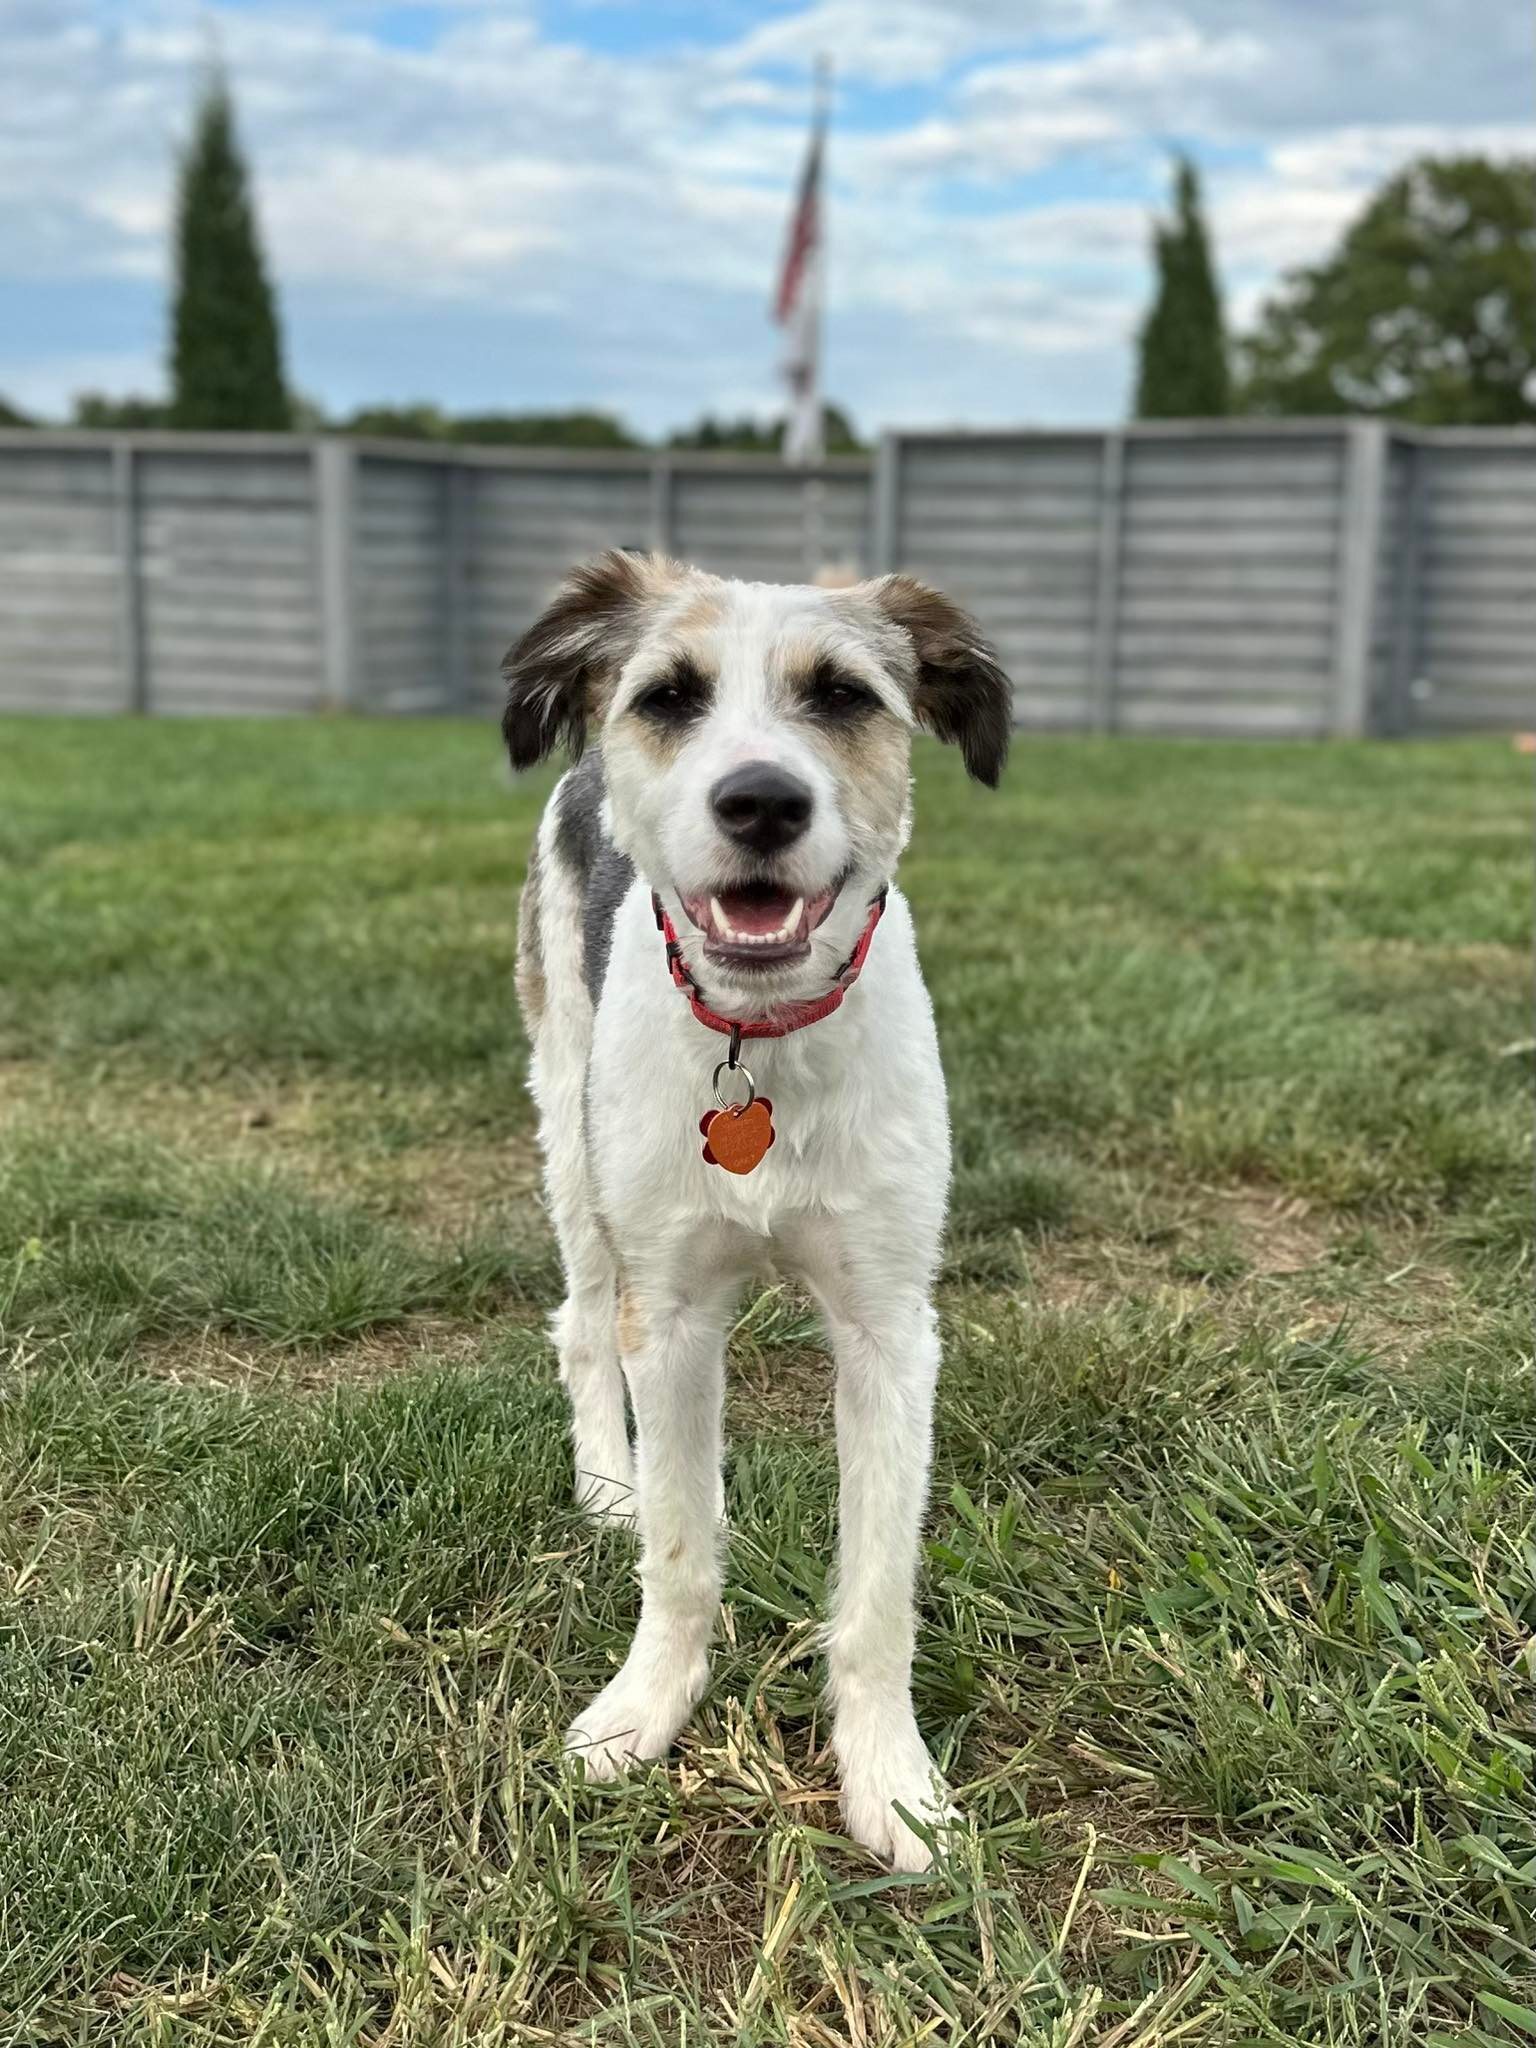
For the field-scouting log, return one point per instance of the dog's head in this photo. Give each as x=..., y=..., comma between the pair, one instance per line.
x=755, y=744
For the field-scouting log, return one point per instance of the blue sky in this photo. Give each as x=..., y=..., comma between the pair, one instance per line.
x=540, y=203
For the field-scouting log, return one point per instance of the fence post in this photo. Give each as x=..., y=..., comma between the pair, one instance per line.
x=130, y=580
x=885, y=540
x=335, y=465
x=1359, y=565
x=663, y=505
x=457, y=693
x=1106, y=601
x=1403, y=653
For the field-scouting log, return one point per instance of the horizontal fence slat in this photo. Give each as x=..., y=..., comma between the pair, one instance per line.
x=1253, y=576
x=1212, y=468
x=1300, y=545
x=213, y=661
x=1294, y=684
x=1223, y=718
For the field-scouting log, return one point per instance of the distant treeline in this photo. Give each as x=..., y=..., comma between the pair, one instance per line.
x=580, y=429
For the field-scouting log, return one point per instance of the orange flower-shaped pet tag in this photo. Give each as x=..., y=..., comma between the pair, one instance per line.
x=738, y=1137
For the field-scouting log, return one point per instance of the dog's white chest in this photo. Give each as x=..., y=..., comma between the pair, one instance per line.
x=858, y=1098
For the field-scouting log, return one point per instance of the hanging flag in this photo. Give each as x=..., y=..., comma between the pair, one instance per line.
x=797, y=303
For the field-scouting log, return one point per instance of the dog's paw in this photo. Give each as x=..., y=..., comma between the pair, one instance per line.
x=876, y=1779
x=633, y=1720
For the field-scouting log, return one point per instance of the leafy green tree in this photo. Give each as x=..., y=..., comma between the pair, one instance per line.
x=1183, y=370
x=226, y=355
x=750, y=436
x=10, y=417
x=495, y=429
x=746, y=436
x=1425, y=312
x=94, y=409
x=399, y=423
x=544, y=430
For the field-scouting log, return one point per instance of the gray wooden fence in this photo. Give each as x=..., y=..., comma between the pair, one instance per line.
x=1300, y=578
x=1332, y=577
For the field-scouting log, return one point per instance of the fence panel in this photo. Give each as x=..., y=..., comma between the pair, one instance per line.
x=227, y=569
x=401, y=585
x=526, y=525
x=1010, y=527
x=62, y=619
x=1474, y=648
x=1228, y=584
x=773, y=527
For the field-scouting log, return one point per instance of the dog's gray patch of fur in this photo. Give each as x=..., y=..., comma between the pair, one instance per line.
x=605, y=874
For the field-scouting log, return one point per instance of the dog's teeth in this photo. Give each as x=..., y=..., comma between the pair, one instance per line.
x=782, y=937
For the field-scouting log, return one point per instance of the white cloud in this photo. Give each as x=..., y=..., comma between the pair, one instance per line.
x=1320, y=61
x=622, y=214
x=45, y=385
x=1362, y=156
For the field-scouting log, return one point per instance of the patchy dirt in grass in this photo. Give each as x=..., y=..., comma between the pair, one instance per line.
x=788, y=1388
x=1481, y=960
x=218, y=1114
x=20, y=1083
x=345, y=1141
x=213, y=1358
x=1243, y=1253
x=450, y=1190
x=1275, y=1233
x=1106, y=1832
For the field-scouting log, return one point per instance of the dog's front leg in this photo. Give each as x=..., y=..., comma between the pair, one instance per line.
x=887, y=1364
x=673, y=1351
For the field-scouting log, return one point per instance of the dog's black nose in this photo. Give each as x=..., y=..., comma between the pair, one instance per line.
x=761, y=807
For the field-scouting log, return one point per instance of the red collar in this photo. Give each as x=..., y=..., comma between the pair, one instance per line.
x=793, y=1016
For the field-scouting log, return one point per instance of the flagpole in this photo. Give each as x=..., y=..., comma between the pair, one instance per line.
x=814, y=495
x=821, y=114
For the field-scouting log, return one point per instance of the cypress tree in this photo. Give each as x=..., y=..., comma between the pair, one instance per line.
x=226, y=356
x=1184, y=373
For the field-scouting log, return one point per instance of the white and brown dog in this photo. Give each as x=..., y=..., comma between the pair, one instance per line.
x=704, y=890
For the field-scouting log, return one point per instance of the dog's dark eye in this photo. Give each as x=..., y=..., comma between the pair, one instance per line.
x=843, y=696
x=675, y=699
x=836, y=695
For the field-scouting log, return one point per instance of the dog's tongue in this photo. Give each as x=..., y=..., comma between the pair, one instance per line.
x=756, y=912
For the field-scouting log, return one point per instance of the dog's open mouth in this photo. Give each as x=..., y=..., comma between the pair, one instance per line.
x=758, y=924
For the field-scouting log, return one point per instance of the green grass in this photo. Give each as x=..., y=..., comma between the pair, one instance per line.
x=1229, y=1605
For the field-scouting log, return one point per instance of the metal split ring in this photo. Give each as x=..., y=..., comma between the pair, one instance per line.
x=738, y=1068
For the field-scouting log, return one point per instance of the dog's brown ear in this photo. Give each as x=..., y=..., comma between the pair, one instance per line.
x=558, y=671
x=961, y=693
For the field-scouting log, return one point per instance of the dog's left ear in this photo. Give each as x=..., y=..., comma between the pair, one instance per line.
x=557, y=672
x=961, y=692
